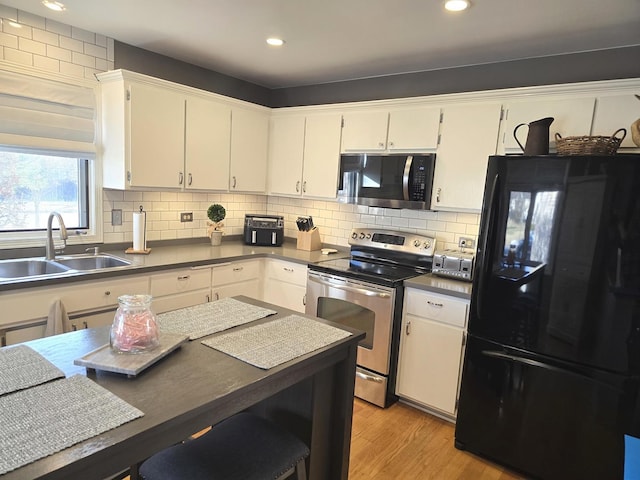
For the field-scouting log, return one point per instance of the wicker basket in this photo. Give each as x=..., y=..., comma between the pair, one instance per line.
x=590, y=145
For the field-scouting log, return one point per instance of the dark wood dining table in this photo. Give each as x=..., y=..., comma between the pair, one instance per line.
x=196, y=386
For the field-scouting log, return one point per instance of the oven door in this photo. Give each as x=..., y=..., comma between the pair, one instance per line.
x=361, y=305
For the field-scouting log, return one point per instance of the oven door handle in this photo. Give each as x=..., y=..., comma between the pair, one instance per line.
x=361, y=291
x=370, y=378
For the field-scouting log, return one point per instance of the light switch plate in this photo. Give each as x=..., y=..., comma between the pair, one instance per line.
x=116, y=216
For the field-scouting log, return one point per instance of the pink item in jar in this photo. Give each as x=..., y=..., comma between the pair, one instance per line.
x=134, y=328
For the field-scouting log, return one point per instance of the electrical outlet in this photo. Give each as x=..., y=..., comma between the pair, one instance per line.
x=464, y=242
x=186, y=217
x=116, y=217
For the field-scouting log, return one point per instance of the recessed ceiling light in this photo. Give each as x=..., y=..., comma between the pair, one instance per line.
x=456, y=5
x=275, y=42
x=55, y=6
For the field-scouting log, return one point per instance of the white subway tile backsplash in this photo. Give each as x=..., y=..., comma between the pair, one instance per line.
x=14, y=28
x=8, y=40
x=83, y=35
x=57, y=27
x=25, y=18
x=46, y=63
x=18, y=56
x=31, y=46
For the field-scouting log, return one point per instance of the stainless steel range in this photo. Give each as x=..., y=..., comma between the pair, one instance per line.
x=366, y=292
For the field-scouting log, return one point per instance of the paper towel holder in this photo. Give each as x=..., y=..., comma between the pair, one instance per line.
x=144, y=250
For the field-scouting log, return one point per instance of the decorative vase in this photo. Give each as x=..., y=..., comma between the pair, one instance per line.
x=134, y=328
x=216, y=237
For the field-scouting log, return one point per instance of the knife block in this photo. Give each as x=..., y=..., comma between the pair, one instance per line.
x=310, y=240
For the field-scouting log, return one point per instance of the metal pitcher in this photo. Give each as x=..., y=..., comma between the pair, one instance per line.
x=538, y=137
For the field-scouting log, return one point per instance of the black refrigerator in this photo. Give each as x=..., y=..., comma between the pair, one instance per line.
x=551, y=375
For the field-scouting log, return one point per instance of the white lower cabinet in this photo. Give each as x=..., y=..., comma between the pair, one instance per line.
x=237, y=278
x=87, y=304
x=285, y=284
x=180, y=288
x=431, y=350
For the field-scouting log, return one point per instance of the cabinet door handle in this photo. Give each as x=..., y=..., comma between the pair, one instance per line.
x=73, y=327
x=184, y=277
x=288, y=269
x=304, y=300
x=390, y=144
x=180, y=178
x=381, y=144
x=107, y=293
x=233, y=185
x=85, y=325
x=438, y=192
x=298, y=186
x=208, y=297
x=408, y=328
x=434, y=304
x=217, y=296
x=304, y=187
x=238, y=269
x=190, y=179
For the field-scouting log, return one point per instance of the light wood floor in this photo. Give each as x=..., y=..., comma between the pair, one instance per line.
x=404, y=443
x=401, y=442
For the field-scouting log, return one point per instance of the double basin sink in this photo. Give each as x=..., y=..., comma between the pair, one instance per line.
x=31, y=268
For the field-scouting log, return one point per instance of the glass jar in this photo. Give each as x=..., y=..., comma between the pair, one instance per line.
x=134, y=328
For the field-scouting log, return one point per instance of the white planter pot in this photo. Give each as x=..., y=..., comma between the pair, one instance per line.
x=216, y=237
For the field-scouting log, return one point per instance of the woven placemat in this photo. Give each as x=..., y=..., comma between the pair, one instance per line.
x=270, y=344
x=43, y=420
x=22, y=367
x=208, y=318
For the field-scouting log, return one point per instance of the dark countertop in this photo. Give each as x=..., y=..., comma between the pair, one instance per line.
x=442, y=285
x=179, y=256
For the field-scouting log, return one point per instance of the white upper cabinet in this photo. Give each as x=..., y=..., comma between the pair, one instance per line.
x=286, y=149
x=414, y=129
x=157, y=134
x=207, y=144
x=469, y=134
x=365, y=131
x=571, y=117
x=135, y=116
x=249, y=145
x=304, y=154
x=614, y=112
x=407, y=129
x=322, y=155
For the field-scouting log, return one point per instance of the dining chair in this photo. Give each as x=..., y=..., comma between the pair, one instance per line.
x=243, y=447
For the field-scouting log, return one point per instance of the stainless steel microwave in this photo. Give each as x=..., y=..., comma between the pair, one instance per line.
x=393, y=180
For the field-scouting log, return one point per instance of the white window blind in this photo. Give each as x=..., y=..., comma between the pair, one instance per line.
x=48, y=114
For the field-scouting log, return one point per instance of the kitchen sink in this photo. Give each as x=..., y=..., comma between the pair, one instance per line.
x=90, y=262
x=25, y=268
x=28, y=267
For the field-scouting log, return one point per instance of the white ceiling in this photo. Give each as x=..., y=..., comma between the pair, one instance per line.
x=333, y=40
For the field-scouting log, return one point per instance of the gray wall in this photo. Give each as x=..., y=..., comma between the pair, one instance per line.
x=608, y=64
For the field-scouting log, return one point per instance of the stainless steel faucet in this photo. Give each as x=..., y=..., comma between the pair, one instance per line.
x=50, y=249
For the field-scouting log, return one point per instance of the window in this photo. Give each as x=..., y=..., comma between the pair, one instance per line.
x=33, y=185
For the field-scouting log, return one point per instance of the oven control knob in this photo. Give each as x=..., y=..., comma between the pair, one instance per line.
x=362, y=235
x=416, y=243
x=354, y=235
x=427, y=244
x=368, y=236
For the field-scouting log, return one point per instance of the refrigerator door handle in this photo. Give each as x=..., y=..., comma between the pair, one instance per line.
x=546, y=366
x=482, y=250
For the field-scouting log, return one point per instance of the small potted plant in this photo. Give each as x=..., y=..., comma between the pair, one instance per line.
x=216, y=214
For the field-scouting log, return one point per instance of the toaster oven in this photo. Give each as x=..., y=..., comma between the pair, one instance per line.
x=453, y=264
x=264, y=230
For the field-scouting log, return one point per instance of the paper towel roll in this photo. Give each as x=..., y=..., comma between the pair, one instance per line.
x=139, y=243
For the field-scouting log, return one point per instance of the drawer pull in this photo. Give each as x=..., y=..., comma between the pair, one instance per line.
x=408, y=328
x=287, y=269
x=85, y=325
x=184, y=277
x=434, y=304
x=107, y=293
x=238, y=269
